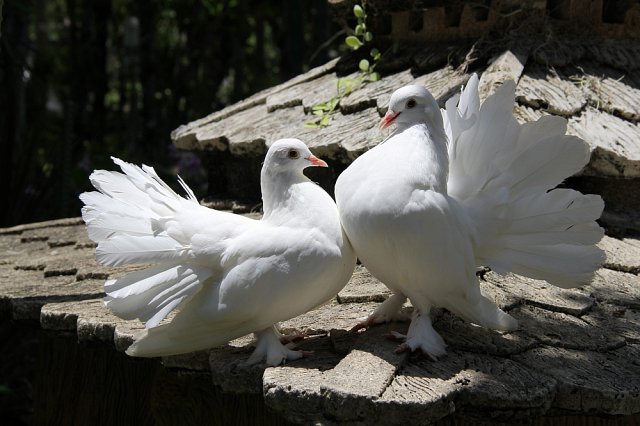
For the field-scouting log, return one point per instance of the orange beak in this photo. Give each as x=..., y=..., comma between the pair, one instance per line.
x=388, y=119
x=315, y=161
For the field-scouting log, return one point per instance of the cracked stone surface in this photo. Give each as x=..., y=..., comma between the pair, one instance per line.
x=569, y=354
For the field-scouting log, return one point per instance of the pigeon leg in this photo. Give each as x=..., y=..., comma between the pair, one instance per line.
x=421, y=335
x=268, y=347
x=388, y=311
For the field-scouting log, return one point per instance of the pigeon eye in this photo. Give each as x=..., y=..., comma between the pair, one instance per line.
x=293, y=154
x=411, y=103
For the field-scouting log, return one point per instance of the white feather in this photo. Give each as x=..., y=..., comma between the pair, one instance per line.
x=121, y=250
x=422, y=221
x=225, y=274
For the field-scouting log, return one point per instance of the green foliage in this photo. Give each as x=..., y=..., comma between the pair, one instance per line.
x=361, y=37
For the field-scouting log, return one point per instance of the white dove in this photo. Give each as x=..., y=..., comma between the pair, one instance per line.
x=227, y=275
x=456, y=189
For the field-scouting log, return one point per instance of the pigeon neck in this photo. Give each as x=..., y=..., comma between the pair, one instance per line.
x=277, y=188
x=432, y=145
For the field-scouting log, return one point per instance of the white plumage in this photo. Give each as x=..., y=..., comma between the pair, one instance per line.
x=227, y=275
x=467, y=186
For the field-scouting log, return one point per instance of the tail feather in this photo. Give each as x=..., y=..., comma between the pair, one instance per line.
x=484, y=313
x=121, y=250
x=137, y=218
x=555, y=209
x=546, y=164
x=151, y=294
x=187, y=333
x=580, y=234
x=562, y=265
x=501, y=172
x=163, y=341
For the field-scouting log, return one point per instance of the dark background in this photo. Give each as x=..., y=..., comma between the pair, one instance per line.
x=81, y=80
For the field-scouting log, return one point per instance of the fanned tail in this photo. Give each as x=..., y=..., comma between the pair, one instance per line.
x=151, y=294
x=133, y=220
x=504, y=173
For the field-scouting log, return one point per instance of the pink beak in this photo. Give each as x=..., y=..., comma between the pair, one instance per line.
x=315, y=161
x=388, y=118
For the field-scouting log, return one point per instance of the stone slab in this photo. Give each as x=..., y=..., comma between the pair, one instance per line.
x=590, y=382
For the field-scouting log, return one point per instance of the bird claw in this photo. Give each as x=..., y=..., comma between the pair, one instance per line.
x=363, y=324
x=387, y=311
x=270, y=348
x=402, y=348
x=395, y=336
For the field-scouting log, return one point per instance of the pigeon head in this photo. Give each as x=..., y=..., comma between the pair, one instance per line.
x=411, y=105
x=290, y=156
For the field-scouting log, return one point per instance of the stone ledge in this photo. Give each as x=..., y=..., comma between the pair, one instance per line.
x=565, y=337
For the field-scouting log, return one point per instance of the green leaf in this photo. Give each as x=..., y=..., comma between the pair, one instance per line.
x=311, y=125
x=360, y=29
x=374, y=76
x=368, y=36
x=363, y=65
x=358, y=11
x=353, y=42
x=375, y=54
x=324, y=121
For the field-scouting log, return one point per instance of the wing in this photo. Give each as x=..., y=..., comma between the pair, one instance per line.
x=271, y=274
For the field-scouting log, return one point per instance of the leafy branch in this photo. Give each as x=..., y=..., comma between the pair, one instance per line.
x=359, y=38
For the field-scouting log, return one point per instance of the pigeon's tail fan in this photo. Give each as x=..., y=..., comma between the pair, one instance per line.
x=135, y=218
x=128, y=216
x=504, y=173
x=151, y=294
x=550, y=236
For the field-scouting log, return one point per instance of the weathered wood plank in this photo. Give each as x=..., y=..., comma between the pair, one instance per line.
x=477, y=386
x=563, y=330
x=511, y=290
x=462, y=335
x=295, y=391
x=610, y=90
x=590, y=381
x=542, y=88
x=307, y=94
x=525, y=114
x=616, y=287
x=363, y=287
x=376, y=93
x=18, y=229
x=361, y=377
x=622, y=254
x=184, y=137
x=442, y=84
x=508, y=66
x=623, y=321
x=614, y=143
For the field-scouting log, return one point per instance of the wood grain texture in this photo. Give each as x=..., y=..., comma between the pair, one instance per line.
x=565, y=338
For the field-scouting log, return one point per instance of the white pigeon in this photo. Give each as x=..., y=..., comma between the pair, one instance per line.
x=226, y=275
x=455, y=189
